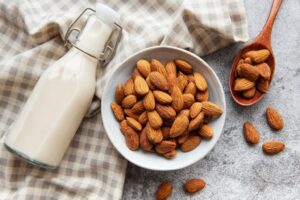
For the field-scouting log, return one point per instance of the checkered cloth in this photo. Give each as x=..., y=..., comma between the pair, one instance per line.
x=30, y=41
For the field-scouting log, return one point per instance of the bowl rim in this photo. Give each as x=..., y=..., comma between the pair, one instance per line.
x=106, y=88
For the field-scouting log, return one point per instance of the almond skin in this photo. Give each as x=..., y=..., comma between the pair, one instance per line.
x=259, y=56
x=182, y=81
x=129, y=87
x=136, y=73
x=119, y=93
x=206, y=131
x=149, y=101
x=188, y=100
x=166, y=132
x=184, y=66
x=158, y=80
x=210, y=108
x=273, y=147
x=177, y=99
x=159, y=67
x=249, y=72
x=200, y=82
x=118, y=111
x=131, y=137
x=181, y=139
x=144, y=142
x=154, y=119
x=171, y=68
x=194, y=185
x=143, y=67
x=274, y=119
x=185, y=112
x=124, y=126
x=195, y=109
x=134, y=124
x=264, y=71
x=202, y=96
x=190, y=89
x=170, y=155
x=190, y=144
x=172, y=81
x=242, y=84
x=129, y=113
x=138, y=108
x=154, y=135
x=143, y=118
x=196, y=122
x=248, y=60
x=166, y=112
x=140, y=86
x=250, y=133
x=162, y=97
x=249, y=93
x=165, y=146
x=129, y=101
x=238, y=68
x=179, y=126
x=163, y=191
x=262, y=85
x=151, y=86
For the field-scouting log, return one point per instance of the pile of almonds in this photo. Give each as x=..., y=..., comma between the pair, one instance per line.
x=162, y=107
x=252, y=73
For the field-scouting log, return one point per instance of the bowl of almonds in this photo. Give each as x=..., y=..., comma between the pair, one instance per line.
x=163, y=108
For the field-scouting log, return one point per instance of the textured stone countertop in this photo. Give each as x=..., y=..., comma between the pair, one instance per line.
x=233, y=169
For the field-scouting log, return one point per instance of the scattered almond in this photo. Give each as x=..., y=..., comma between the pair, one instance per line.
x=194, y=185
x=274, y=119
x=163, y=191
x=250, y=133
x=273, y=147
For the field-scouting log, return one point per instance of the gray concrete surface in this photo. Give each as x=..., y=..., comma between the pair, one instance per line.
x=233, y=169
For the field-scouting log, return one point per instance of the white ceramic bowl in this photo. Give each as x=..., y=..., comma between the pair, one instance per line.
x=151, y=160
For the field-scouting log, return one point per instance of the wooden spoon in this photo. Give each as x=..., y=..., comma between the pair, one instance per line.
x=262, y=41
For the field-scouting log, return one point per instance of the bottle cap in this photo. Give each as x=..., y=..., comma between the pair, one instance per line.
x=107, y=14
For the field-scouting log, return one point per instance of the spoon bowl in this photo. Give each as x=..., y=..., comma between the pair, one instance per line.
x=262, y=41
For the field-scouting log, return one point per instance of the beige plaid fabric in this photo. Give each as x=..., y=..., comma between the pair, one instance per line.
x=30, y=41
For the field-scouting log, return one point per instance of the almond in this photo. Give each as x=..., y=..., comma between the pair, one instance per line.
x=190, y=89
x=119, y=93
x=154, y=119
x=162, y=97
x=143, y=118
x=118, y=111
x=249, y=93
x=172, y=81
x=134, y=124
x=140, y=86
x=200, y=82
x=248, y=60
x=184, y=66
x=159, y=67
x=158, y=80
x=124, y=126
x=274, y=119
x=138, y=108
x=185, y=112
x=249, y=72
x=196, y=122
x=166, y=132
x=166, y=112
x=136, y=73
x=179, y=126
x=190, y=144
x=262, y=85
x=182, y=81
x=210, y=108
x=181, y=139
x=149, y=101
x=238, y=68
x=165, y=146
x=151, y=86
x=163, y=191
x=177, y=99
x=206, y=131
x=194, y=185
x=202, y=96
x=129, y=113
x=144, y=142
x=129, y=101
x=129, y=87
x=171, y=68
x=242, y=84
x=191, y=78
x=170, y=154
x=264, y=71
x=258, y=56
x=144, y=67
x=273, y=147
x=195, y=109
x=188, y=100
x=154, y=135
x=131, y=137
x=250, y=133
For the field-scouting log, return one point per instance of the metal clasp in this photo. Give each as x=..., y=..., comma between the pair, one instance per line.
x=110, y=46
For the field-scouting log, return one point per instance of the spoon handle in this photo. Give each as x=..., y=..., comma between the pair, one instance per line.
x=265, y=35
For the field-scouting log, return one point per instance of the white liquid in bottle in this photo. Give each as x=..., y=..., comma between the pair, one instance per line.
x=61, y=97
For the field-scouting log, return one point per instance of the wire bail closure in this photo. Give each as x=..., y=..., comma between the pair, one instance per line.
x=110, y=46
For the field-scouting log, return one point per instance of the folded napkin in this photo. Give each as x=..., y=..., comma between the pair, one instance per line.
x=31, y=35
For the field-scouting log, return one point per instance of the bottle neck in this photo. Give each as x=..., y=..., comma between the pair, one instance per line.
x=94, y=36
